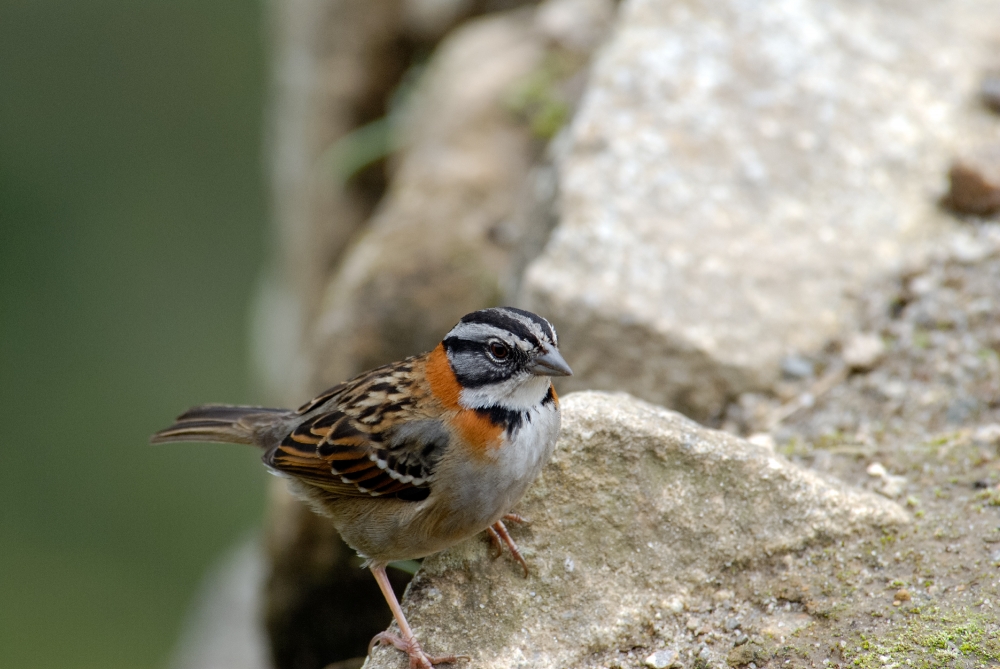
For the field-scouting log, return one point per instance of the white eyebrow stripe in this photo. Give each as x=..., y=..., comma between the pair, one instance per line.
x=479, y=332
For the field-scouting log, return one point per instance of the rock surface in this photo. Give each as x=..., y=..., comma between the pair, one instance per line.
x=451, y=235
x=335, y=64
x=739, y=171
x=639, y=509
x=428, y=256
x=447, y=236
x=924, y=424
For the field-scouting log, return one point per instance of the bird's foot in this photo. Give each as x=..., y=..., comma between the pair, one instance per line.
x=495, y=542
x=498, y=532
x=515, y=518
x=418, y=658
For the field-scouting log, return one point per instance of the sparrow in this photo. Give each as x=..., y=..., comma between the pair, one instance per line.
x=415, y=456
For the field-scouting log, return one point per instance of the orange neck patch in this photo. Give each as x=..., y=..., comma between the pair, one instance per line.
x=475, y=429
x=478, y=431
x=444, y=385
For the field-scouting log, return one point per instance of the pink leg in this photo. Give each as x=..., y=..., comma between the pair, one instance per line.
x=501, y=531
x=407, y=642
x=495, y=542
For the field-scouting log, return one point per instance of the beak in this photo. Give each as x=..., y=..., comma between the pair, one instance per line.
x=550, y=364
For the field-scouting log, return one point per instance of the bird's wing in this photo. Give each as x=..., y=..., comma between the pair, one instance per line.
x=375, y=435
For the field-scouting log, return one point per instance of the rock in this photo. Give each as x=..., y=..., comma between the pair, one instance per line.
x=987, y=435
x=891, y=486
x=876, y=469
x=577, y=25
x=744, y=654
x=432, y=253
x=863, y=350
x=644, y=502
x=762, y=439
x=975, y=183
x=797, y=367
x=431, y=19
x=737, y=171
x=661, y=659
x=448, y=236
x=466, y=207
x=335, y=63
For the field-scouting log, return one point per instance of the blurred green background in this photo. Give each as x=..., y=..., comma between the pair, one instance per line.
x=132, y=210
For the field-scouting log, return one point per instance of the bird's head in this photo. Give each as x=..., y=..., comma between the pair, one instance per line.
x=504, y=357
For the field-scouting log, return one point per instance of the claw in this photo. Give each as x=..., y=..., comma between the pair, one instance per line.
x=495, y=542
x=418, y=658
x=499, y=529
x=405, y=642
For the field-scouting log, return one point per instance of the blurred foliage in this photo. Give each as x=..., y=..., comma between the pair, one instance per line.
x=372, y=142
x=132, y=209
x=362, y=147
x=539, y=98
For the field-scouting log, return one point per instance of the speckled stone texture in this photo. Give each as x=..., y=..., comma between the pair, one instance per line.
x=740, y=171
x=639, y=506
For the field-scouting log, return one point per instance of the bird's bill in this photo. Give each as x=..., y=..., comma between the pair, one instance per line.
x=551, y=363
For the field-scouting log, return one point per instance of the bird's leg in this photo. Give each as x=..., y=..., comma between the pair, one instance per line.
x=495, y=542
x=407, y=642
x=501, y=531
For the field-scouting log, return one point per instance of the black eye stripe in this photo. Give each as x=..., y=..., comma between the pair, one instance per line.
x=474, y=368
x=456, y=345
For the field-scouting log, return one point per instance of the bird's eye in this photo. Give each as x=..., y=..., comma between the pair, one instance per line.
x=498, y=350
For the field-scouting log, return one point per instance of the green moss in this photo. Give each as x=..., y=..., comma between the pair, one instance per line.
x=831, y=440
x=930, y=640
x=538, y=97
x=991, y=496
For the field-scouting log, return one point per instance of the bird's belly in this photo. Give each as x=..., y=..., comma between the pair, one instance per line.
x=479, y=493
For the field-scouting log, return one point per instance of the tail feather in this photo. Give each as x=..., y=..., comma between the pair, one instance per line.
x=220, y=423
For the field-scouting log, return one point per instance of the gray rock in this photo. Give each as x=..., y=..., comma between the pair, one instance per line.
x=643, y=503
x=797, y=367
x=863, y=350
x=738, y=171
x=436, y=248
x=661, y=659
x=457, y=224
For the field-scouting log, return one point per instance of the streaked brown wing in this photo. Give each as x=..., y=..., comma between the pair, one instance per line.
x=366, y=438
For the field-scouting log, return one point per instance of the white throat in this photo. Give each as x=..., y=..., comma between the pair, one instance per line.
x=517, y=394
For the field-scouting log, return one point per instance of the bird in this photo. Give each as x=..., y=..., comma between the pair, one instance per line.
x=418, y=455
